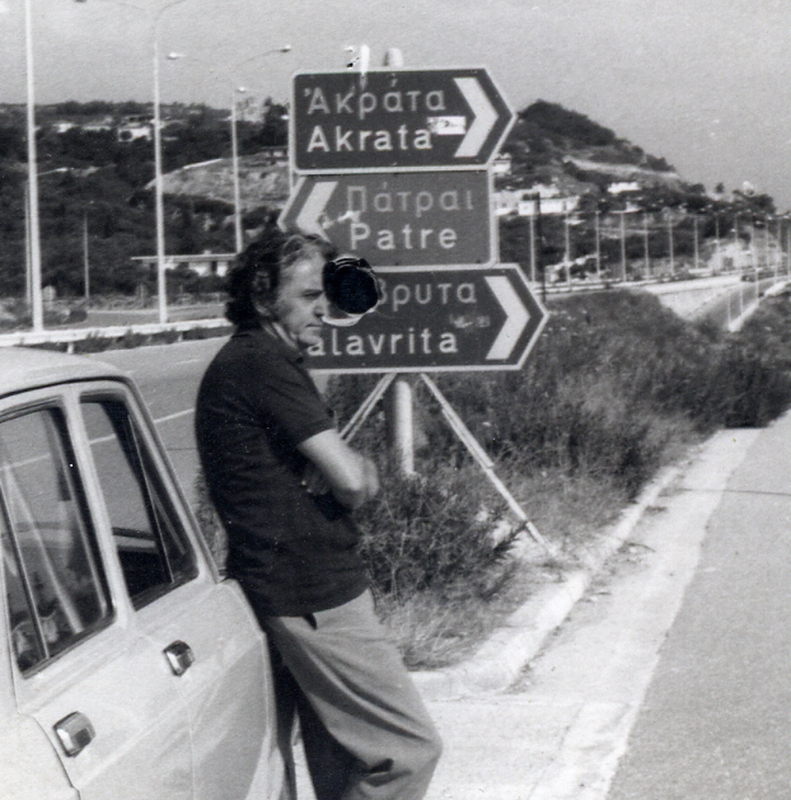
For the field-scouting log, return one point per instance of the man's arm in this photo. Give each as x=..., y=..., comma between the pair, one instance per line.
x=351, y=477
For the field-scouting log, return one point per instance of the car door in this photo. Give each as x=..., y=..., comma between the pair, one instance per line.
x=99, y=688
x=29, y=766
x=214, y=646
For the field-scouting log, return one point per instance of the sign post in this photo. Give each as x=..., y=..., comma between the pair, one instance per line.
x=393, y=166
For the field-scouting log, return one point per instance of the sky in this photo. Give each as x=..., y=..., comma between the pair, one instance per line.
x=703, y=83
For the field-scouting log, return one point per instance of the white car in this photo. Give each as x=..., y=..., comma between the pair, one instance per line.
x=128, y=667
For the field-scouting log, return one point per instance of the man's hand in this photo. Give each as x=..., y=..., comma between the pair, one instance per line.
x=351, y=477
x=314, y=481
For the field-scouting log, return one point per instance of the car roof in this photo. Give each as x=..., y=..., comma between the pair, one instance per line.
x=23, y=368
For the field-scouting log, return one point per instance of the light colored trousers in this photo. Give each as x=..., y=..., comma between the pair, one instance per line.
x=365, y=730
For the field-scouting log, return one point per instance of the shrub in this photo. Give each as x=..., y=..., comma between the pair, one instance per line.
x=433, y=533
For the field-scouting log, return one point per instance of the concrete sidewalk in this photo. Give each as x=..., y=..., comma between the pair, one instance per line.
x=545, y=715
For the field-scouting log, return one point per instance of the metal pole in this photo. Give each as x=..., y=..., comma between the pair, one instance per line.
x=237, y=210
x=645, y=245
x=695, y=223
x=567, y=255
x=162, y=298
x=741, y=265
x=623, y=245
x=598, y=246
x=533, y=245
x=483, y=459
x=28, y=261
x=400, y=401
x=670, y=243
x=788, y=249
x=86, y=259
x=401, y=428
x=32, y=166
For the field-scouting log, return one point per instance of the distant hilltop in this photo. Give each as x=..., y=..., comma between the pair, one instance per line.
x=552, y=146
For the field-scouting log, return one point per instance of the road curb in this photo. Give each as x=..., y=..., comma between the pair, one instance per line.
x=505, y=654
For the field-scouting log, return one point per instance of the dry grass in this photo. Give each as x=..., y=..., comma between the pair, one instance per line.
x=439, y=629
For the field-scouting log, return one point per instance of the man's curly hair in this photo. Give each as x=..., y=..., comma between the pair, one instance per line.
x=253, y=282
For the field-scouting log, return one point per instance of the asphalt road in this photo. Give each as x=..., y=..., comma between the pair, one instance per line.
x=716, y=722
x=732, y=303
x=168, y=376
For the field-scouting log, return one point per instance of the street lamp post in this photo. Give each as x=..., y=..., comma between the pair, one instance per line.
x=86, y=258
x=162, y=299
x=597, y=228
x=237, y=201
x=533, y=244
x=162, y=289
x=623, y=243
x=158, y=190
x=34, y=234
x=697, y=252
x=670, y=242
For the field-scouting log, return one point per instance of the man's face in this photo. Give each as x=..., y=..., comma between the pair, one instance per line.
x=301, y=305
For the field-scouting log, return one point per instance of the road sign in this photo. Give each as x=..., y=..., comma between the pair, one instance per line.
x=396, y=119
x=414, y=218
x=446, y=319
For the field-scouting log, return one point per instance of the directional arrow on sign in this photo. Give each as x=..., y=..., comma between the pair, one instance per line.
x=516, y=317
x=396, y=119
x=407, y=218
x=445, y=319
x=485, y=118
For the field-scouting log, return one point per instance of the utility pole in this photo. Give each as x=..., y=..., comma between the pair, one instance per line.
x=86, y=259
x=34, y=234
x=533, y=244
x=695, y=223
x=623, y=243
x=670, y=242
x=597, y=227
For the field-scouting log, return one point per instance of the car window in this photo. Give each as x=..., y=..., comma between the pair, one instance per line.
x=56, y=590
x=153, y=549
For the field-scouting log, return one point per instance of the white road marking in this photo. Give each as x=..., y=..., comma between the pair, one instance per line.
x=175, y=415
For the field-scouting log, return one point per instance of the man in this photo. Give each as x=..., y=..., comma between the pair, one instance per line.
x=283, y=483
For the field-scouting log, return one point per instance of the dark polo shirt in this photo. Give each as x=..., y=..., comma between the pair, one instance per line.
x=296, y=553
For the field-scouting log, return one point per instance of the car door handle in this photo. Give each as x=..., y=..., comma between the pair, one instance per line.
x=180, y=657
x=75, y=733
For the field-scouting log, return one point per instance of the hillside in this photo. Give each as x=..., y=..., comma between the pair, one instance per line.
x=96, y=181
x=608, y=195
x=263, y=182
x=549, y=143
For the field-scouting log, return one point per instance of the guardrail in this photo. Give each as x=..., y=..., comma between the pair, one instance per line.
x=71, y=336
